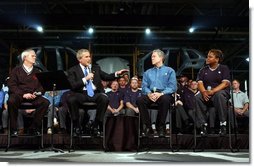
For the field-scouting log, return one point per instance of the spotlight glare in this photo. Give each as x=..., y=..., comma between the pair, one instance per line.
x=39, y=29
x=148, y=31
x=248, y=59
x=90, y=30
x=191, y=30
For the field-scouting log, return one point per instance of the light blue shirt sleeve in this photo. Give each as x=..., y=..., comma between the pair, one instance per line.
x=145, y=84
x=6, y=97
x=171, y=83
x=1, y=98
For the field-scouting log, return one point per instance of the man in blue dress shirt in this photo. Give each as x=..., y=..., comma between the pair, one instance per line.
x=158, y=84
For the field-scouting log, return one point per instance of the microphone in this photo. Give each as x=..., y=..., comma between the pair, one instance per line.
x=90, y=68
x=37, y=93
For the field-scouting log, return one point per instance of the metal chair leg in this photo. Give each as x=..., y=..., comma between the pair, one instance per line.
x=171, y=130
x=71, y=148
x=8, y=135
x=42, y=136
x=195, y=132
x=230, y=125
x=138, y=132
x=104, y=133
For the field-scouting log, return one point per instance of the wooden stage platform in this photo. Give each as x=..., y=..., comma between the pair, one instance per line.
x=185, y=142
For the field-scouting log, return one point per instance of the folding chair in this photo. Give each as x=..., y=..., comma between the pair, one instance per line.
x=9, y=136
x=231, y=124
x=171, y=110
x=86, y=105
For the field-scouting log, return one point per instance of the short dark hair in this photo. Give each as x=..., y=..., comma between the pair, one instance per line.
x=236, y=80
x=218, y=54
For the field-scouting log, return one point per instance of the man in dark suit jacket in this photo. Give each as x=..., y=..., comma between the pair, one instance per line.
x=80, y=77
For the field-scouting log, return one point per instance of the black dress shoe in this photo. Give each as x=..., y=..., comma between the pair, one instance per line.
x=155, y=133
x=96, y=132
x=147, y=130
x=212, y=131
x=5, y=131
x=35, y=132
x=89, y=127
x=62, y=131
x=203, y=131
x=223, y=130
x=161, y=131
x=76, y=132
x=167, y=132
x=14, y=133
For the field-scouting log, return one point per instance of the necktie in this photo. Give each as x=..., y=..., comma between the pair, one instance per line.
x=89, y=86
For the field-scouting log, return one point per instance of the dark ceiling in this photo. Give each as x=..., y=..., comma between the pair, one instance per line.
x=119, y=26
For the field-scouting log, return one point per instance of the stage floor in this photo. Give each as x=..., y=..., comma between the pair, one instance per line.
x=209, y=156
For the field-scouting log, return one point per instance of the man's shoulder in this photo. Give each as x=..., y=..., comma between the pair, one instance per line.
x=95, y=67
x=37, y=69
x=17, y=68
x=241, y=93
x=206, y=67
x=150, y=69
x=168, y=68
x=224, y=67
x=75, y=67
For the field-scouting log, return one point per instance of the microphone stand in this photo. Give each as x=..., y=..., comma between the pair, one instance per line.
x=53, y=81
x=52, y=148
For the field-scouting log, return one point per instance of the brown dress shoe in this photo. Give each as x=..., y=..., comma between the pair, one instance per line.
x=155, y=133
x=21, y=131
x=5, y=131
x=167, y=132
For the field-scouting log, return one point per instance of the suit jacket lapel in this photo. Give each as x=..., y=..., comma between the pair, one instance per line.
x=80, y=71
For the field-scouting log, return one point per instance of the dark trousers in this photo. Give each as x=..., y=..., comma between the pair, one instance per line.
x=163, y=102
x=181, y=116
x=218, y=101
x=39, y=103
x=75, y=101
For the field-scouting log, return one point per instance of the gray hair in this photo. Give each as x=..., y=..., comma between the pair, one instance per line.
x=80, y=52
x=160, y=53
x=26, y=53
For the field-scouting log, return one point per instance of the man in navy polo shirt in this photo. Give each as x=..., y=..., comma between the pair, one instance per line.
x=213, y=84
x=115, y=97
x=130, y=98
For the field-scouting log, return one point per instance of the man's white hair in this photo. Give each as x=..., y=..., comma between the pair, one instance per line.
x=25, y=53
